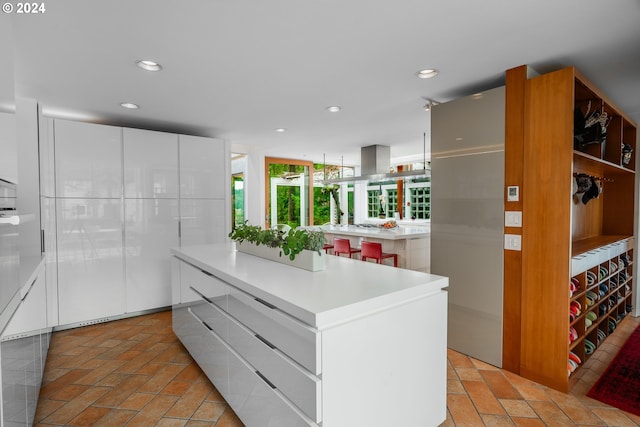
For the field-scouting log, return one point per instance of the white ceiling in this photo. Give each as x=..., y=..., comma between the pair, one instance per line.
x=237, y=69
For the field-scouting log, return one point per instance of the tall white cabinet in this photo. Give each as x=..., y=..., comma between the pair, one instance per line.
x=122, y=198
x=88, y=193
x=203, y=194
x=151, y=215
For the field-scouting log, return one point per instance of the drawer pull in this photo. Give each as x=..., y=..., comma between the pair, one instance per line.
x=263, y=302
x=200, y=294
x=267, y=343
x=207, y=326
x=207, y=273
x=269, y=383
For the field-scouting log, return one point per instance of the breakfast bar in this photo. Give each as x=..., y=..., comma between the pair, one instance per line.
x=410, y=243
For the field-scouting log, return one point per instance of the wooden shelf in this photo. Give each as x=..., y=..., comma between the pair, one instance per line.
x=579, y=247
x=601, y=167
x=558, y=225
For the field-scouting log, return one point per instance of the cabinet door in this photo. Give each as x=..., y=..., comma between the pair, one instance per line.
x=90, y=265
x=47, y=159
x=203, y=167
x=88, y=160
x=202, y=221
x=151, y=228
x=150, y=164
x=31, y=314
x=48, y=215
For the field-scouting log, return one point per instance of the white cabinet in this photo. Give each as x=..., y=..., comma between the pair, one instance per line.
x=47, y=159
x=203, y=168
x=23, y=351
x=88, y=160
x=31, y=314
x=123, y=198
x=289, y=347
x=48, y=218
x=90, y=264
x=151, y=228
x=150, y=164
x=202, y=221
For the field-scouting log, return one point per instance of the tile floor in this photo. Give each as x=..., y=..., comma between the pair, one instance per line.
x=135, y=372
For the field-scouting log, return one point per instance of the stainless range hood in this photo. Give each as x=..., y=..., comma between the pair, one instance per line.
x=375, y=164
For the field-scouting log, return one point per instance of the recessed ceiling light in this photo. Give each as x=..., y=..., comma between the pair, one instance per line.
x=477, y=95
x=427, y=73
x=280, y=130
x=149, y=65
x=334, y=108
x=129, y=105
x=458, y=139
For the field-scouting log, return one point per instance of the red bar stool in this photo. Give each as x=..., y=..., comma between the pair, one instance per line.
x=326, y=247
x=374, y=250
x=343, y=246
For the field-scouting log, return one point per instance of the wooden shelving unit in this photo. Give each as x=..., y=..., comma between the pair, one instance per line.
x=562, y=237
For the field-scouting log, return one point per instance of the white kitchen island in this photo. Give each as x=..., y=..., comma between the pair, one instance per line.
x=412, y=244
x=357, y=344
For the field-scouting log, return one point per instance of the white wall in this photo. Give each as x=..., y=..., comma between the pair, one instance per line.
x=254, y=188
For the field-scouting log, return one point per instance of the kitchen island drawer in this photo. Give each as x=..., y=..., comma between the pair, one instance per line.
x=204, y=284
x=296, y=383
x=298, y=341
x=258, y=402
x=206, y=350
x=212, y=316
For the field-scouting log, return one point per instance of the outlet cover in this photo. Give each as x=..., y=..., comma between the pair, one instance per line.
x=513, y=242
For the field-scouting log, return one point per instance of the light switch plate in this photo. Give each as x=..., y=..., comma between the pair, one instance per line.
x=513, y=218
x=513, y=242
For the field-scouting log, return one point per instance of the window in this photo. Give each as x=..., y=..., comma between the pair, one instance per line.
x=238, y=167
x=373, y=203
x=420, y=202
x=288, y=192
x=416, y=198
x=392, y=201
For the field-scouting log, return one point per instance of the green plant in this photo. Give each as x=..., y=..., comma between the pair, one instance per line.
x=292, y=243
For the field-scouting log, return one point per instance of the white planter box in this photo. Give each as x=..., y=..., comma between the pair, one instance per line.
x=308, y=260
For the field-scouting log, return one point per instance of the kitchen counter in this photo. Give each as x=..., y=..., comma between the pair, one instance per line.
x=29, y=269
x=347, y=288
x=397, y=233
x=287, y=346
x=412, y=244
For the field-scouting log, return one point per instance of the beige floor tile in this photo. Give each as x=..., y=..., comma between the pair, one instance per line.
x=551, y=414
x=528, y=422
x=496, y=420
x=499, y=385
x=74, y=407
x=455, y=386
x=135, y=372
x=614, y=417
x=517, y=408
x=153, y=411
x=468, y=374
x=462, y=411
x=483, y=399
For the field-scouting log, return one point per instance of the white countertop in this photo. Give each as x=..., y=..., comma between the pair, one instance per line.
x=30, y=267
x=347, y=289
x=401, y=232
